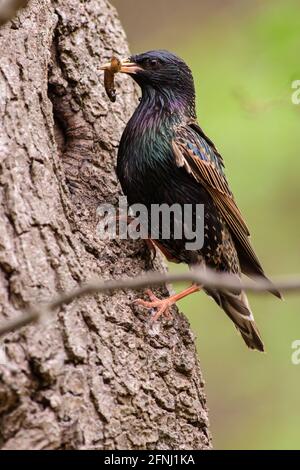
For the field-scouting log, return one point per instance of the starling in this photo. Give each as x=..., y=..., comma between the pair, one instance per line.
x=164, y=157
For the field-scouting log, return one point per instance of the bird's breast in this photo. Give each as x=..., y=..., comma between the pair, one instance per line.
x=145, y=164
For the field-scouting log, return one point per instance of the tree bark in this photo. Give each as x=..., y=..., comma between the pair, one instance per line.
x=96, y=375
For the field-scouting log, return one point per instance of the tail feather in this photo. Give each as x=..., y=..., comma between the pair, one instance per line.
x=271, y=288
x=252, y=268
x=238, y=309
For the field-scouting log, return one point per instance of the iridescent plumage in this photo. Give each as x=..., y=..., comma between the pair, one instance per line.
x=165, y=157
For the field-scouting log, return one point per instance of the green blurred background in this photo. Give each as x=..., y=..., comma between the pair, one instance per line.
x=244, y=57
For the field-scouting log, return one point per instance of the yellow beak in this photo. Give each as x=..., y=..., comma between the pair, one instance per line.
x=124, y=66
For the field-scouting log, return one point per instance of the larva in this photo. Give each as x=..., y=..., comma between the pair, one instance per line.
x=109, y=74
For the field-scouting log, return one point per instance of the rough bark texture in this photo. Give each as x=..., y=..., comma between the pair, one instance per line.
x=96, y=375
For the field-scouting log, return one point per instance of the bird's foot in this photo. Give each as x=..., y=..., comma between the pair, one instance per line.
x=161, y=305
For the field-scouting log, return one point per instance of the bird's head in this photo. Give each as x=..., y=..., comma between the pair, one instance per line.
x=158, y=69
x=163, y=73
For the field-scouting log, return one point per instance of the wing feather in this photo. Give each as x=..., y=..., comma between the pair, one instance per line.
x=197, y=154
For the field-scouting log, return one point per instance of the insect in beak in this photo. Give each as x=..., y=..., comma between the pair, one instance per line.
x=110, y=69
x=123, y=66
x=113, y=67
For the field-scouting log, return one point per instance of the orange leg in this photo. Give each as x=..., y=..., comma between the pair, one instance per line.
x=151, y=247
x=162, y=305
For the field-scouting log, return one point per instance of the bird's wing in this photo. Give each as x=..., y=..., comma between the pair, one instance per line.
x=197, y=154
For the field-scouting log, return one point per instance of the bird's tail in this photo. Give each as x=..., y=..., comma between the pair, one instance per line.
x=237, y=307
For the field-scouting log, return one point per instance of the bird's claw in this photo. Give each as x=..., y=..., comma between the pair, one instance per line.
x=161, y=305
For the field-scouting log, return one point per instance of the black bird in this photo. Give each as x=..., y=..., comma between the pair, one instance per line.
x=165, y=157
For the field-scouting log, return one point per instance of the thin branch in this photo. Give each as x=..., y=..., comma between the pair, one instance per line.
x=206, y=278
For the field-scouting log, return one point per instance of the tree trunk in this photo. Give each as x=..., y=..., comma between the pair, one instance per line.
x=96, y=375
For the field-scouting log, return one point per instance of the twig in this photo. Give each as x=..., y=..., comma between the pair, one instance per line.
x=207, y=278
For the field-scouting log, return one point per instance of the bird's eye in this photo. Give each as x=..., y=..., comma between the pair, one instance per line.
x=152, y=63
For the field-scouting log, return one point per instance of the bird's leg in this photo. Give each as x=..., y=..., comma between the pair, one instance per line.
x=151, y=247
x=162, y=305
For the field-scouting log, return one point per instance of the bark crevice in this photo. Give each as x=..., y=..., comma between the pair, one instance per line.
x=96, y=374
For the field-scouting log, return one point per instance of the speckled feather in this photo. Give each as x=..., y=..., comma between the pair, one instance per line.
x=165, y=157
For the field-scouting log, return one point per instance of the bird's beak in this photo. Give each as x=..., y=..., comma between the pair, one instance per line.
x=125, y=67
x=129, y=67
